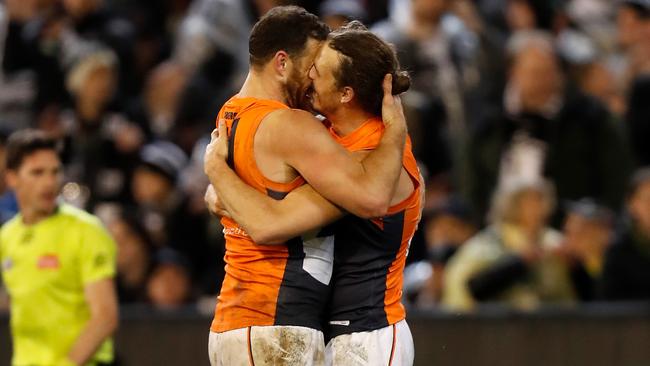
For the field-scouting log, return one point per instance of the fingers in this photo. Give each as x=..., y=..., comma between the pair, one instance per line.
x=387, y=85
x=222, y=129
x=397, y=100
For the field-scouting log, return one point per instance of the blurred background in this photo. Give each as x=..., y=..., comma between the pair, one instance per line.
x=530, y=120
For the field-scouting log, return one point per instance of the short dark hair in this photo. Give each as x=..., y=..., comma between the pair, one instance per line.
x=23, y=143
x=284, y=28
x=367, y=59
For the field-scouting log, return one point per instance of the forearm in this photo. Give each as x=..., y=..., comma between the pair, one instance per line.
x=270, y=221
x=96, y=331
x=236, y=196
x=252, y=210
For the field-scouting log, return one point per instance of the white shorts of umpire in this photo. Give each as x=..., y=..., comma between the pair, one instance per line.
x=389, y=346
x=266, y=346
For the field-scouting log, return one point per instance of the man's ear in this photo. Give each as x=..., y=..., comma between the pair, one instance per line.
x=280, y=61
x=347, y=94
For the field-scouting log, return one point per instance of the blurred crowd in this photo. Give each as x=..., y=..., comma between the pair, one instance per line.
x=530, y=120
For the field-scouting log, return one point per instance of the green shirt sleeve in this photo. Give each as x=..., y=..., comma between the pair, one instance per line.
x=97, y=254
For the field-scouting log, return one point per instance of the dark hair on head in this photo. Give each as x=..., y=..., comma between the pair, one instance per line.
x=135, y=223
x=640, y=7
x=25, y=142
x=284, y=28
x=366, y=60
x=640, y=177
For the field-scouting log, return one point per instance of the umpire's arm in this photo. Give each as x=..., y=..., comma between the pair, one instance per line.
x=102, y=300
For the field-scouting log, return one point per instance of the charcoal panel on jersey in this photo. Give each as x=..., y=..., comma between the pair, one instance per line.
x=275, y=194
x=363, y=255
x=302, y=298
x=231, y=144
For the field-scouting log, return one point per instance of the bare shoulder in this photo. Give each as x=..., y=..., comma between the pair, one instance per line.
x=291, y=123
x=293, y=117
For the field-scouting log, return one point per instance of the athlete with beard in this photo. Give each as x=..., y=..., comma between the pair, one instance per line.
x=365, y=318
x=271, y=305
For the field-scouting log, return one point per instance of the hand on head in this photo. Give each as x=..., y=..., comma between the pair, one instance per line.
x=391, y=107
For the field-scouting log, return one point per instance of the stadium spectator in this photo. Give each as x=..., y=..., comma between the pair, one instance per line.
x=102, y=142
x=626, y=274
x=514, y=261
x=439, y=51
x=169, y=286
x=63, y=302
x=93, y=20
x=547, y=129
x=527, y=15
x=597, y=80
x=162, y=96
x=167, y=213
x=588, y=232
x=634, y=37
x=134, y=257
x=446, y=228
x=32, y=77
x=633, y=22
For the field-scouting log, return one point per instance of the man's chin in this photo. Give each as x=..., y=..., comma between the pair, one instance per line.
x=47, y=208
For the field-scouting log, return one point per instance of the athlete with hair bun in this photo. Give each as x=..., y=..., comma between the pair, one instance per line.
x=272, y=301
x=361, y=259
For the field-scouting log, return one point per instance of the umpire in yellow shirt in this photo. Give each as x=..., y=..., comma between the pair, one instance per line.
x=58, y=264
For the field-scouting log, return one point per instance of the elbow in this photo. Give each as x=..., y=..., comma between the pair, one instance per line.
x=373, y=207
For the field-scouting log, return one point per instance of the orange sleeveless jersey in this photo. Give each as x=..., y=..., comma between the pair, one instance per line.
x=370, y=255
x=263, y=284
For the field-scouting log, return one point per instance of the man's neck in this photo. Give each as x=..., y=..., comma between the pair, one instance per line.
x=261, y=86
x=33, y=217
x=346, y=120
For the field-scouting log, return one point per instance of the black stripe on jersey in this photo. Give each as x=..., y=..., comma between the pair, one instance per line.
x=302, y=298
x=363, y=253
x=231, y=144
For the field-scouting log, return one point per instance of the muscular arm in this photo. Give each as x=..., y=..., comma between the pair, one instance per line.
x=364, y=188
x=271, y=221
x=266, y=220
x=102, y=300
